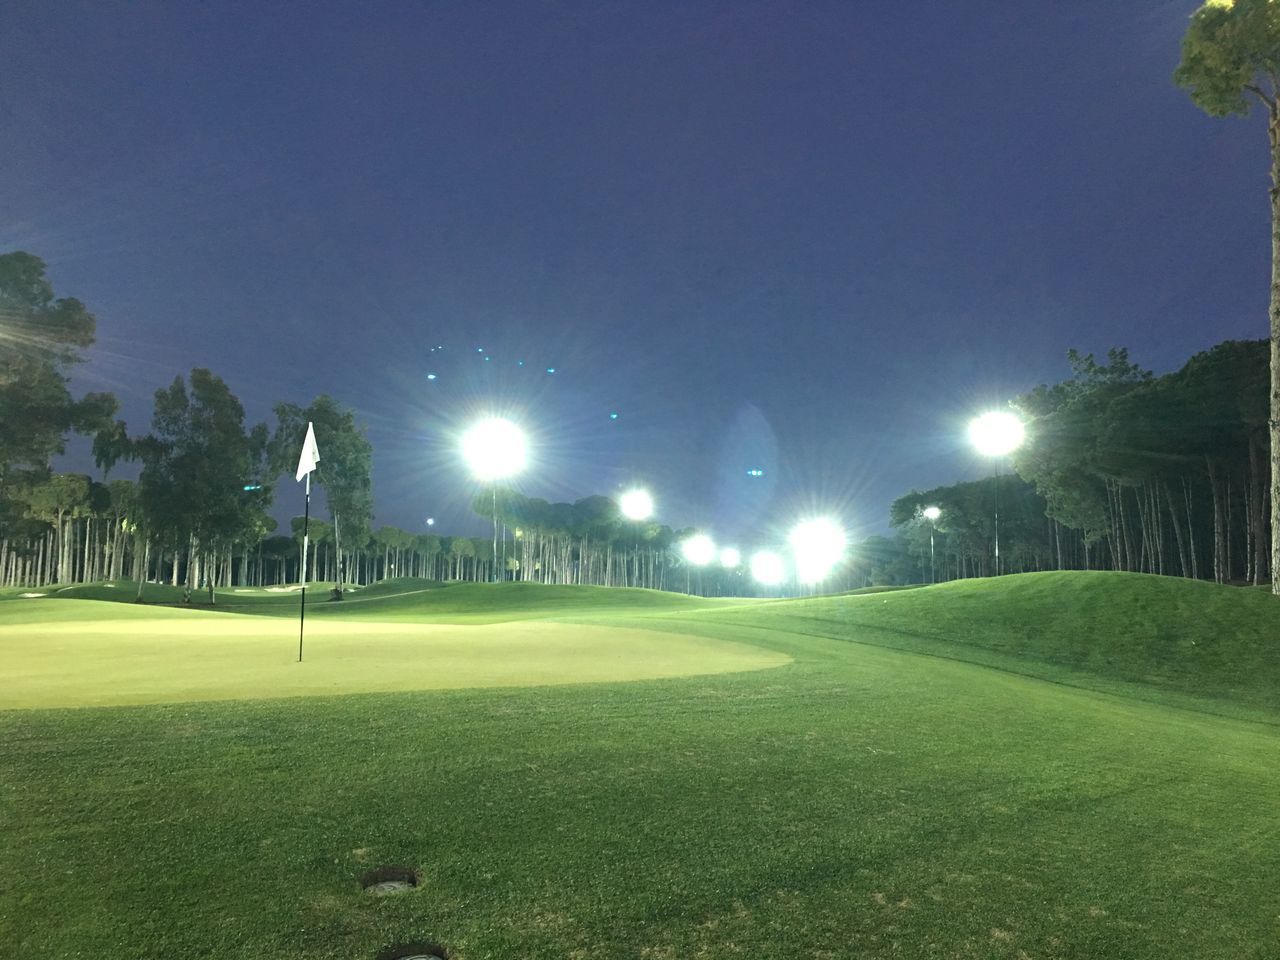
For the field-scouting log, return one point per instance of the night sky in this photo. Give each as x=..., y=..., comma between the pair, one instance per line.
x=813, y=238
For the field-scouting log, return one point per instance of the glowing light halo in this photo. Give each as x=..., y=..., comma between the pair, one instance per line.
x=768, y=568
x=730, y=557
x=699, y=549
x=931, y=513
x=996, y=433
x=636, y=505
x=494, y=448
x=817, y=545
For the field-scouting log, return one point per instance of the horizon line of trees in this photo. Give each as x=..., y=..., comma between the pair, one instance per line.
x=1121, y=470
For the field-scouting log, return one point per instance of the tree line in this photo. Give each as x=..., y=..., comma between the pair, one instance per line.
x=198, y=514
x=1122, y=470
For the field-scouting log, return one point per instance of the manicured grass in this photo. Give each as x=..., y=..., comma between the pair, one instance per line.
x=860, y=801
x=98, y=654
x=1130, y=633
x=411, y=600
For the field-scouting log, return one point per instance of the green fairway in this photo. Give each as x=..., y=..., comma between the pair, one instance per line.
x=1038, y=767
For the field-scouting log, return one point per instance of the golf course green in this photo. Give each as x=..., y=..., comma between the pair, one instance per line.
x=1065, y=765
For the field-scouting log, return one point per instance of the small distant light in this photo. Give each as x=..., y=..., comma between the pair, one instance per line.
x=431, y=376
x=479, y=349
x=755, y=472
x=486, y=359
x=252, y=486
x=551, y=369
x=519, y=363
x=431, y=521
x=613, y=416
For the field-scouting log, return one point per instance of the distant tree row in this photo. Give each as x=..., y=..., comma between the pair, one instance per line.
x=1121, y=471
x=199, y=506
x=587, y=541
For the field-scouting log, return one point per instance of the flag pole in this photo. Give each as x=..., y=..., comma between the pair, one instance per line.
x=306, y=463
x=306, y=527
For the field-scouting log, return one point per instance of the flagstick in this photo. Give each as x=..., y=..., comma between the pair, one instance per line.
x=306, y=527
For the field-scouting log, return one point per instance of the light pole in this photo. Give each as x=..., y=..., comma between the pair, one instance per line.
x=636, y=506
x=931, y=514
x=494, y=449
x=994, y=435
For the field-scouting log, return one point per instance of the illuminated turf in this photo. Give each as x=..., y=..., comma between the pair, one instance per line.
x=1057, y=765
x=188, y=656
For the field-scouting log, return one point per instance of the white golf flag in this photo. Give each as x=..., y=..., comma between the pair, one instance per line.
x=310, y=454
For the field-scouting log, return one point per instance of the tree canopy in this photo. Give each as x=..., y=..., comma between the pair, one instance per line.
x=41, y=337
x=346, y=463
x=203, y=476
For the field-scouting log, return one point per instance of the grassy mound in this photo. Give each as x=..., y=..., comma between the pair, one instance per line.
x=1106, y=630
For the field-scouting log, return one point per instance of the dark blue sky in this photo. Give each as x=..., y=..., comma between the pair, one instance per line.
x=815, y=235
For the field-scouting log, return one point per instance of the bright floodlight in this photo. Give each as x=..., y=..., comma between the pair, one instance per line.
x=997, y=433
x=730, y=557
x=698, y=550
x=818, y=545
x=493, y=449
x=931, y=513
x=767, y=568
x=636, y=505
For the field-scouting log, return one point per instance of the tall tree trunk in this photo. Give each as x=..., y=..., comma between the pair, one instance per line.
x=146, y=556
x=1258, y=509
x=1177, y=529
x=1273, y=130
x=1219, y=535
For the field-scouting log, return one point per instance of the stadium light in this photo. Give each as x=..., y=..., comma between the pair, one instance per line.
x=994, y=435
x=817, y=545
x=636, y=505
x=767, y=568
x=699, y=550
x=931, y=514
x=494, y=450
